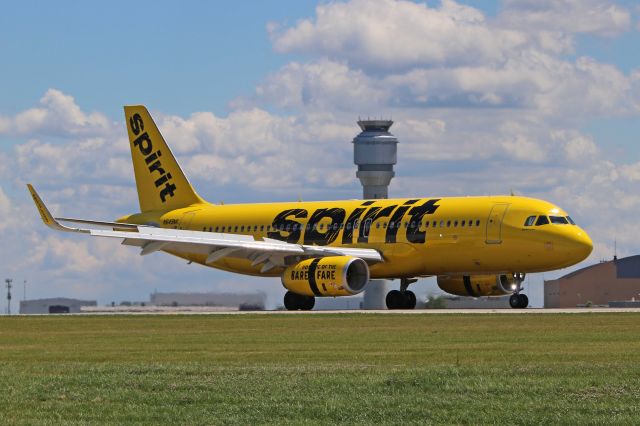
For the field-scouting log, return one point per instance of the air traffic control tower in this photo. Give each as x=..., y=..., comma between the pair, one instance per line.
x=375, y=153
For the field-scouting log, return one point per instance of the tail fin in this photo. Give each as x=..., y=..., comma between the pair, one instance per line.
x=160, y=181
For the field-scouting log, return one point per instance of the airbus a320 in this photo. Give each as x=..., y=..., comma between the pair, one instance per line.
x=475, y=246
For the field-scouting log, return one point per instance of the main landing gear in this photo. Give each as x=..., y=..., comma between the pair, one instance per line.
x=298, y=302
x=403, y=298
x=517, y=300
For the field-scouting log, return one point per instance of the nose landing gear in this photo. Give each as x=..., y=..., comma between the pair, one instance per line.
x=403, y=298
x=517, y=300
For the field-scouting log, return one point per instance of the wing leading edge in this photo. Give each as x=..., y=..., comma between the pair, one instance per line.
x=216, y=246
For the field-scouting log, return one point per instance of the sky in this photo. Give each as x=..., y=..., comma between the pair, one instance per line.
x=259, y=102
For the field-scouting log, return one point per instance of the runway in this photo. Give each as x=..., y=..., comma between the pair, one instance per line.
x=162, y=310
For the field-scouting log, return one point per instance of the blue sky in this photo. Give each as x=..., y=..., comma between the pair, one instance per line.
x=541, y=97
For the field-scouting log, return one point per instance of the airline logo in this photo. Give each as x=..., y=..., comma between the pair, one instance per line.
x=288, y=225
x=152, y=159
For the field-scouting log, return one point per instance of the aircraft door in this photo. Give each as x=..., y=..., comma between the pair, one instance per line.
x=494, y=223
x=186, y=219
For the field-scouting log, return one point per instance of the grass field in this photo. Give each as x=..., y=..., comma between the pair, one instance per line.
x=318, y=369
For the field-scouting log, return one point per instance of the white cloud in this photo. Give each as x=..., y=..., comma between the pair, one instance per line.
x=631, y=172
x=58, y=115
x=598, y=17
x=449, y=57
x=411, y=34
x=321, y=85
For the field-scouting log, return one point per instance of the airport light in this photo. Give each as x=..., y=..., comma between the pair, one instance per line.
x=8, y=281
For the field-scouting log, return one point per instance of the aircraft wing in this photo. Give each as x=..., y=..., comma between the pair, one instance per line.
x=216, y=246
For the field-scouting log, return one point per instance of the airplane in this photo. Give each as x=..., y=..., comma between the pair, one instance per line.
x=475, y=246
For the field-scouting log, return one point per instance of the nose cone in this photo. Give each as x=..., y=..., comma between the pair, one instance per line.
x=581, y=244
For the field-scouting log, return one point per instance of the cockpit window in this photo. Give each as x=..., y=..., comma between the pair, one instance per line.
x=559, y=220
x=570, y=220
x=542, y=220
x=530, y=221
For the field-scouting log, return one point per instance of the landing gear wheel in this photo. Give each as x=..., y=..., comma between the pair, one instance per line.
x=518, y=301
x=291, y=301
x=409, y=300
x=394, y=300
x=308, y=304
x=514, y=301
x=298, y=302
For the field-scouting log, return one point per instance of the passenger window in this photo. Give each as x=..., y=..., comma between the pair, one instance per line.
x=448, y=224
x=462, y=223
x=268, y=227
x=542, y=220
x=235, y=229
x=242, y=228
x=559, y=220
x=442, y=224
x=217, y=228
x=349, y=226
x=426, y=224
x=261, y=228
x=477, y=222
x=530, y=221
x=455, y=224
x=322, y=226
x=378, y=225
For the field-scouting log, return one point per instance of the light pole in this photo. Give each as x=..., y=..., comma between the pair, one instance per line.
x=8, y=281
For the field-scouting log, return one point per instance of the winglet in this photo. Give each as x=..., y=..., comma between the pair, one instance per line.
x=48, y=220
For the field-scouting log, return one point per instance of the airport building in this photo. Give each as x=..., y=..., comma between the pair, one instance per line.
x=252, y=301
x=57, y=305
x=612, y=283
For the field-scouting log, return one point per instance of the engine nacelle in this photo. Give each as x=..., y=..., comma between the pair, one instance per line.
x=327, y=276
x=476, y=285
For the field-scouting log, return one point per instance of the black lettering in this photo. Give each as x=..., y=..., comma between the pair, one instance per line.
x=136, y=124
x=167, y=190
x=162, y=179
x=156, y=167
x=351, y=225
x=143, y=142
x=373, y=213
x=281, y=221
x=153, y=157
x=315, y=236
x=392, y=232
x=414, y=234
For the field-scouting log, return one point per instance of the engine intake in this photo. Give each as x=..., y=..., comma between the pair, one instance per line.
x=476, y=285
x=327, y=276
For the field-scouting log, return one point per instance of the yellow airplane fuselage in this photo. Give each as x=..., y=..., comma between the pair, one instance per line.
x=417, y=237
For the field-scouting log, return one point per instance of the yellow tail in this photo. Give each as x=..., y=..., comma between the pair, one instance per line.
x=160, y=181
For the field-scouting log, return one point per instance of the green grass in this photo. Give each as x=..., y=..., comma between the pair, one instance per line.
x=318, y=369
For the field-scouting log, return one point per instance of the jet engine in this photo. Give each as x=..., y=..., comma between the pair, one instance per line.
x=327, y=276
x=477, y=285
